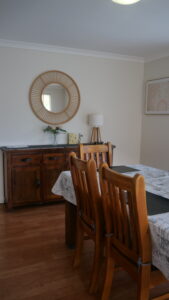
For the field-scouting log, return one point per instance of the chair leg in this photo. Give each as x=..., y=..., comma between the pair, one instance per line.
x=79, y=244
x=110, y=267
x=98, y=255
x=143, y=288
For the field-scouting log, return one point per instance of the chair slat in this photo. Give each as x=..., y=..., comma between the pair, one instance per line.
x=100, y=153
x=133, y=227
x=125, y=218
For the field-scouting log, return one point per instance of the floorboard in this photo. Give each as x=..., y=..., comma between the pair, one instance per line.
x=35, y=263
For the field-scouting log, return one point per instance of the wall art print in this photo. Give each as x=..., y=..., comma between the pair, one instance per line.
x=157, y=96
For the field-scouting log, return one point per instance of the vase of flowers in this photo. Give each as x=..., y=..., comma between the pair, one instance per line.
x=59, y=134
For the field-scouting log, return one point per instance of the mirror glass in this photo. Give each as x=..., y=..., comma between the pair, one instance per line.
x=55, y=97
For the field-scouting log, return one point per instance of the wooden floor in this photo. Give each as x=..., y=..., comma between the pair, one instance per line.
x=35, y=264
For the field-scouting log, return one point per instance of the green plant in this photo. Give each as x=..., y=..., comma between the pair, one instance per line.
x=54, y=130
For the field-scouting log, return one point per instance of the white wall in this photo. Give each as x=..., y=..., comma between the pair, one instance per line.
x=109, y=86
x=155, y=128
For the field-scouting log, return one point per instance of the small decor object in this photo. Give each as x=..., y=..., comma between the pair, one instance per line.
x=95, y=121
x=80, y=137
x=59, y=134
x=73, y=138
x=157, y=96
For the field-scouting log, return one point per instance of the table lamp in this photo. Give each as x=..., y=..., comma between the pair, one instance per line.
x=95, y=121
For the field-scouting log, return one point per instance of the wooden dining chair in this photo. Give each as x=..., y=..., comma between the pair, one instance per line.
x=100, y=153
x=89, y=213
x=128, y=242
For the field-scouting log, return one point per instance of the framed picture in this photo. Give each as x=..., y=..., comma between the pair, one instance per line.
x=157, y=97
x=72, y=138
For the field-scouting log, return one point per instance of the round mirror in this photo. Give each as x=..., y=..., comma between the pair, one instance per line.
x=55, y=98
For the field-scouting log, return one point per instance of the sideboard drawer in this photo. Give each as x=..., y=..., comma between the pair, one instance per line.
x=26, y=159
x=54, y=159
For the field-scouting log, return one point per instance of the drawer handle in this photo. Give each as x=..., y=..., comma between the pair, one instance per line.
x=37, y=182
x=53, y=158
x=26, y=159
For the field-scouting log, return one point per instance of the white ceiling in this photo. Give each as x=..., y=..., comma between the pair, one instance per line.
x=140, y=30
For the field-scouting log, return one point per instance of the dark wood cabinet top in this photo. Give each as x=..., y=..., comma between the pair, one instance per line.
x=37, y=147
x=41, y=147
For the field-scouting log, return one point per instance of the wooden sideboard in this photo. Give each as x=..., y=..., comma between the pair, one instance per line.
x=30, y=172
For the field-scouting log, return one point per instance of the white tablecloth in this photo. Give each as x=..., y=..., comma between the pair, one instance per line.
x=157, y=182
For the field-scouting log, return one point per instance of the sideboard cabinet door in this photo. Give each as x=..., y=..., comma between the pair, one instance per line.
x=53, y=165
x=25, y=185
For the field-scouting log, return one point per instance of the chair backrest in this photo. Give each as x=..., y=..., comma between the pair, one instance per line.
x=125, y=213
x=100, y=153
x=85, y=181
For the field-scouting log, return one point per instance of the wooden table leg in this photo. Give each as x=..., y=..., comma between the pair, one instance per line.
x=70, y=224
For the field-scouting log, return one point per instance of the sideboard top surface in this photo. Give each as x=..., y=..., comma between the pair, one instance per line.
x=40, y=147
x=37, y=147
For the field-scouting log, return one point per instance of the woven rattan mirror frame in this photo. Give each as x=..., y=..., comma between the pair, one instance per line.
x=35, y=97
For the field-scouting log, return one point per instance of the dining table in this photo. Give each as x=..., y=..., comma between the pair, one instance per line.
x=157, y=197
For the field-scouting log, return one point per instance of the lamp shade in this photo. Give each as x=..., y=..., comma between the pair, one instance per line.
x=95, y=120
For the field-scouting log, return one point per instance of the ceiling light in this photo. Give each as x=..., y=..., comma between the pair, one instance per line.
x=125, y=2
